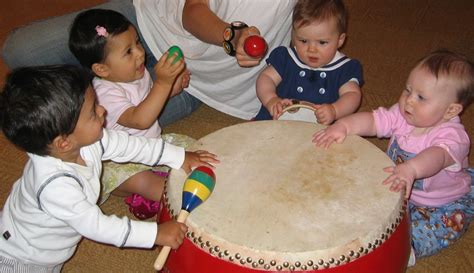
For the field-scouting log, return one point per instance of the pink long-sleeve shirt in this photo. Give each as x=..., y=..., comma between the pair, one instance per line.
x=450, y=183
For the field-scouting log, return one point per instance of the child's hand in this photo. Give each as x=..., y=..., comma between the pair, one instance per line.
x=181, y=82
x=402, y=176
x=171, y=233
x=276, y=105
x=334, y=133
x=198, y=158
x=325, y=113
x=165, y=71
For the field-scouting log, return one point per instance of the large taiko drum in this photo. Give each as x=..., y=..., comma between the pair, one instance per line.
x=281, y=204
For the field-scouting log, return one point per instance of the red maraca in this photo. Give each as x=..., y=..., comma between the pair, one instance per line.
x=255, y=46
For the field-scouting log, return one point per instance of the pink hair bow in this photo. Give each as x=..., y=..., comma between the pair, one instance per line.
x=101, y=31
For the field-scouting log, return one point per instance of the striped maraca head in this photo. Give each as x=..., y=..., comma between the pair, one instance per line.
x=197, y=188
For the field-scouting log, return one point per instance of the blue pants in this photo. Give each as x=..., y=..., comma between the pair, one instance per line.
x=45, y=42
x=433, y=229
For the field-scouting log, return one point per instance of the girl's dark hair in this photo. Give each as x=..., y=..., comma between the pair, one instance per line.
x=307, y=11
x=40, y=103
x=86, y=42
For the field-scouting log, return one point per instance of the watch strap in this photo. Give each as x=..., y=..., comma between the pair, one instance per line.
x=229, y=34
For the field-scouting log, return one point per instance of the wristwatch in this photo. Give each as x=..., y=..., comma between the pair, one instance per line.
x=229, y=34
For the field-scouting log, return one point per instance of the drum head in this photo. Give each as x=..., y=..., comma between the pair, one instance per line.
x=279, y=198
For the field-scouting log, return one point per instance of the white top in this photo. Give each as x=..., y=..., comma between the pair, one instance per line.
x=54, y=203
x=117, y=97
x=216, y=78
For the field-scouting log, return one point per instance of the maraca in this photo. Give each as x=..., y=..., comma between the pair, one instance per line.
x=175, y=49
x=255, y=46
x=196, y=189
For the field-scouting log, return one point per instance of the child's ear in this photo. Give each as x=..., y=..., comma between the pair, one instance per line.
x=61, y=144
x=342, y=39
x=453, y=110
x=100, y=70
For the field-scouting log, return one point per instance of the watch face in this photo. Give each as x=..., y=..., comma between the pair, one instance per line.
x=238, y=24
x=228, y=34
x=228, y=48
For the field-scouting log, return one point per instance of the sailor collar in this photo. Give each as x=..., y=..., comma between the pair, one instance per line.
x=338, y=60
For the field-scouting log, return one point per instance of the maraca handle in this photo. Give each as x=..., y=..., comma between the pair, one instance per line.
x=165, y=251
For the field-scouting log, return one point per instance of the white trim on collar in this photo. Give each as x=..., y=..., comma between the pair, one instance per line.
x=327, y=67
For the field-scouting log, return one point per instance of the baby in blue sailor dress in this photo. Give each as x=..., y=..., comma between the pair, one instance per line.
x=312, y=69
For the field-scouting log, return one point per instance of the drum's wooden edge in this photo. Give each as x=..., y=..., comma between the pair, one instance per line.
x=321, y=258
x=296, y=107
x=293, y=109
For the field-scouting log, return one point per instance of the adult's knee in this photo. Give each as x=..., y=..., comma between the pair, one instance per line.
x=45, y=42
x=15, y=50
x=40, y=43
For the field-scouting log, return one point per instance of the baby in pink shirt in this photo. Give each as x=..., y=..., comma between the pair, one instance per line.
x=451, y=182
x=429, y=145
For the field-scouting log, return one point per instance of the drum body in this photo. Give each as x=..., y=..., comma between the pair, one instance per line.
x=281, y=204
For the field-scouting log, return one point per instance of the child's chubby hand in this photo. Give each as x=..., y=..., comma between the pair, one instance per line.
x=334, y=133
x=181, y=82
x=171, y=233
x=402, y=177
x=325, y=113
x=276, y=105
x=166, y=71
x=198, y=158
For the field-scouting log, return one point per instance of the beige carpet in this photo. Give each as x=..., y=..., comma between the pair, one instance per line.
x=386, y=36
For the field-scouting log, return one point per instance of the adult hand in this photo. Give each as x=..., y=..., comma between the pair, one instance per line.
x=241, y=56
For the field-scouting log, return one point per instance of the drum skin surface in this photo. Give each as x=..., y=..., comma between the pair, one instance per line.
x=281, y=204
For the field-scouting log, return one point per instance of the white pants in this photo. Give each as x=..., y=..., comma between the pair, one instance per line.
x=13, y=266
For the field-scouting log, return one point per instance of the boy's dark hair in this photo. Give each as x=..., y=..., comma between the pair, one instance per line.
x=307, y=11
x=444, y=63
x=40, y=103
x=86, y=42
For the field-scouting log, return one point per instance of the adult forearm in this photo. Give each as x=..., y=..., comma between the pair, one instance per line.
x=201, y=22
